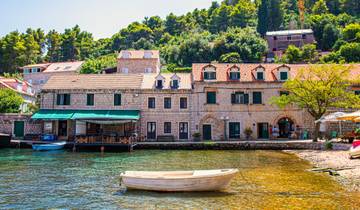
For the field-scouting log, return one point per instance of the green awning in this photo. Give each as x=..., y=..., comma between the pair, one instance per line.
x=50, y=114
x=106, y=115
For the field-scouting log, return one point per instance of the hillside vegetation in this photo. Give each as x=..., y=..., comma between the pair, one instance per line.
x=231, y=31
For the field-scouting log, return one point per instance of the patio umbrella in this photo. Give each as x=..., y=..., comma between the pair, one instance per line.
x=350, y=116
x=333, y=117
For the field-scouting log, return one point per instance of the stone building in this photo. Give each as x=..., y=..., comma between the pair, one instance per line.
x=217, y=101
x=138, y=61
x=279, y=41
x=39, y=74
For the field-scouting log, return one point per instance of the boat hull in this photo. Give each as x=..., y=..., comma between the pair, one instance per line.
x=5, y=140
x=48, y=147
x=214, y=182
x=354, y=152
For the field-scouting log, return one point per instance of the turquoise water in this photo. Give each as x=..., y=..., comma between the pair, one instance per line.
x=66, y=180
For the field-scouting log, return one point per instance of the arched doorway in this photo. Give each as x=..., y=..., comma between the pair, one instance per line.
x=286, y=127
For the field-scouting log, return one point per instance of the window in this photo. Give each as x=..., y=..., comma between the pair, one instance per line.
x=234, y=130
x=90, y=99
x=26, y=71
x=183, y=103
x=151, y=103
x=148, y=70
x=147, y=54
x=210, y=73
x=63, y=99
x=175, y=84
x=167, y=127
x=260, y=75
x=304, y=36
x=289, y=38
x=275, y=37
x=357, y=92
x=274, y=49
x=34, y=70
x=286, y=93
x=117, y=99
x=283, y=75
x=234, y=74
x=257, y=98
x=125, y=70
x=240, y=98
x=211, y=97
x=167, y=103
x=159, y=84
x=126, y=54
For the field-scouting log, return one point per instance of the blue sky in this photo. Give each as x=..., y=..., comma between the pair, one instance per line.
x=103, y=18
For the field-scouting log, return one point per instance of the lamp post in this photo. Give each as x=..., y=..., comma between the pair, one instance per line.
x=225, y=119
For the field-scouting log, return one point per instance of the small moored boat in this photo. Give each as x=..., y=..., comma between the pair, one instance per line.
x=355, y=150
x=178, y=181
x=49, y=147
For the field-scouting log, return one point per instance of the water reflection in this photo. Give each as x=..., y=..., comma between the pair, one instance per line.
x=60, y=179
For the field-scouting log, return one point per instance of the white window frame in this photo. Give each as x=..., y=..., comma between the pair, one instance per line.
x=209, y=69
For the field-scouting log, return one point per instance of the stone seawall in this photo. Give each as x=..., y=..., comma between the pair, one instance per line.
x=246, y=145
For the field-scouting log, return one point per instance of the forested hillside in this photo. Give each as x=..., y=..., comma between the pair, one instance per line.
x=228, y=32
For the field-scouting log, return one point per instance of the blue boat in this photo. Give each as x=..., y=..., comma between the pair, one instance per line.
x=49, y=147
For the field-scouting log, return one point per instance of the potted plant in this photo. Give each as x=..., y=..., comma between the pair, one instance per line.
x=248, y=132
x=196, y=136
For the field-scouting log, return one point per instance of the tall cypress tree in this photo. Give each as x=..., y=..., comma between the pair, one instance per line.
x=275, y=15
x=263, y=16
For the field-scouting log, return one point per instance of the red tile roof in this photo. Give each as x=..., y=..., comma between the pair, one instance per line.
x=247, y=71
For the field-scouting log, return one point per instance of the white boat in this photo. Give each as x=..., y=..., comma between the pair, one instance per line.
x=354, y=151
x=49, y=147
x=178, y=181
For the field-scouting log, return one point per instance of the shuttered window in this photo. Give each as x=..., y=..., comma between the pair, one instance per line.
x=117, y=99
x=63, y=99
x=260, y=75
x=183, y=103
x=234, y=130
x=90, y=99
x=151, y=103
x=240, y=98
x=167, y=103
x=283, y=76
x=211, y=97
x=257, y=98
x=167, y=127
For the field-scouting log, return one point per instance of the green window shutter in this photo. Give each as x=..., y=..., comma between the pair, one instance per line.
x=117, y=99
x=260, y=76
x=283, y=75
x=257, y=98
x=67, y=99
x=58, y=99
x=211, y=97
x=246, y=98
x=233, y=98
x=90, y=100
x=357, y=92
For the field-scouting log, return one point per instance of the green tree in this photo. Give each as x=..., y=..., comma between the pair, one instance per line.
x=10, y=101
x=317, y=96
x=351, y=7
x=232, y=57
x=263, y=15
x=330, y=36
x=53, y=43
x=351, y=32
x=219, y=20
x=350, y=52
x=292, y=55
x=243, y=14
x=246, y=42
x=95, y=65
x=320, y=8
x=275, y=19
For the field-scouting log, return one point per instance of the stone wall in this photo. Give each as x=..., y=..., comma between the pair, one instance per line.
x=138, y=66
x=30, y=126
